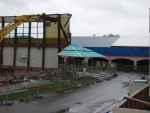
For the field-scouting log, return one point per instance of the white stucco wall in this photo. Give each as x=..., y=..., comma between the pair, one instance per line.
x=21, y=57
x=8, y=56
x=51, y=59
x=36, y=57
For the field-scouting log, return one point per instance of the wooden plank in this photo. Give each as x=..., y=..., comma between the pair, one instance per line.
x=139, y=101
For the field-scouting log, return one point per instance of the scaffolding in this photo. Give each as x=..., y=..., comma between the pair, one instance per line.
x=52, y=30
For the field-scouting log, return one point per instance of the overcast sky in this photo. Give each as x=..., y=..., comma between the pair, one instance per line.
x=98, y=17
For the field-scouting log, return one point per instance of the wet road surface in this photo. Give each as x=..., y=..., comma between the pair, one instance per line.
x=92, y=99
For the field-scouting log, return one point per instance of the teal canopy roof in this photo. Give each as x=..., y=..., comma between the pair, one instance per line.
x=77, y=51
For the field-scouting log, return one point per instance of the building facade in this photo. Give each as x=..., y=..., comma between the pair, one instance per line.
x=133, y=56
x=35, y=44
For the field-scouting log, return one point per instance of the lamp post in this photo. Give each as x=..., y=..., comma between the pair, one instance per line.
x=149, y=52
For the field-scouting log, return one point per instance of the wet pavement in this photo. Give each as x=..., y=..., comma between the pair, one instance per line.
x=96, y=98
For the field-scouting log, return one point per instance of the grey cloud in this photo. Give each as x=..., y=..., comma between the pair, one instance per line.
x=89, y=16
x=13, y=3
x=130, y=8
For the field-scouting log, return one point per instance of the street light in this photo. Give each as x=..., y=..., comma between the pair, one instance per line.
x=149, y=53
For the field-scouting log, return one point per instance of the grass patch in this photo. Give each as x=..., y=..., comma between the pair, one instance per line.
x=22, y=94
x=54, y=86
x=60, y=86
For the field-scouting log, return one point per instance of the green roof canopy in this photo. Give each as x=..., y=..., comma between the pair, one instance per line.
x=77, y=51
